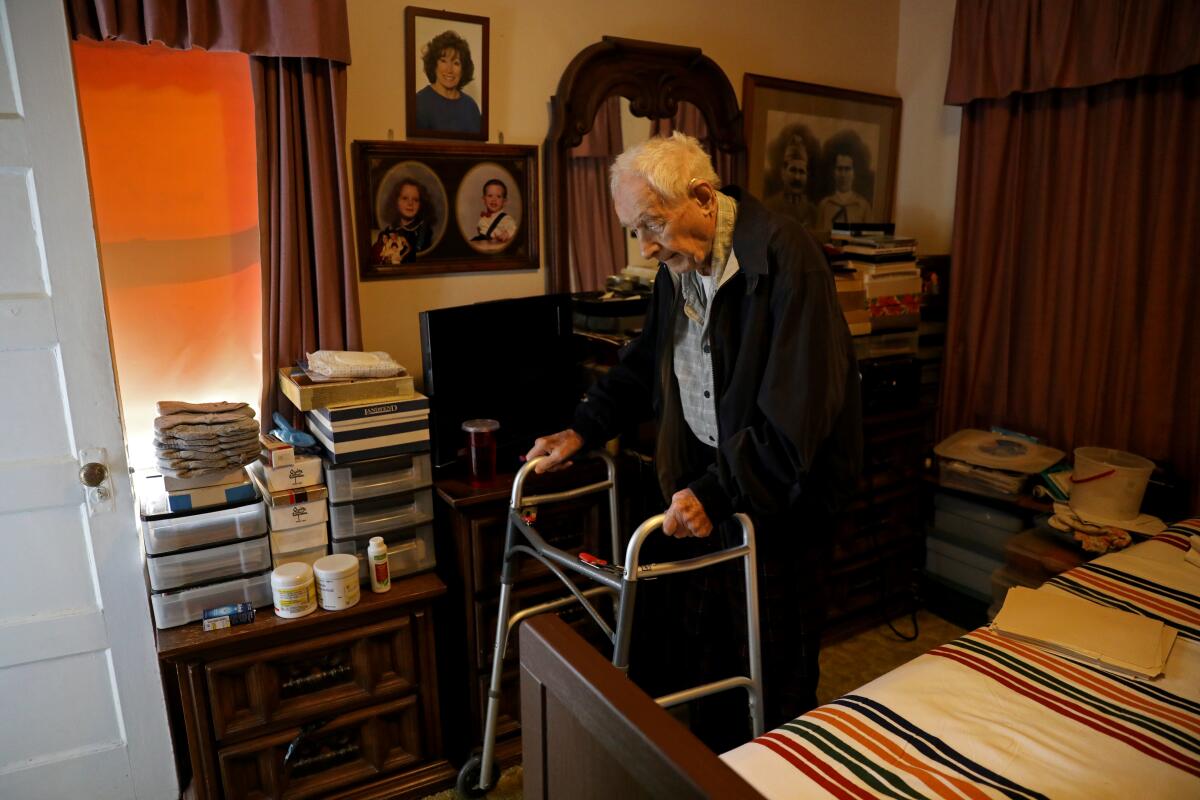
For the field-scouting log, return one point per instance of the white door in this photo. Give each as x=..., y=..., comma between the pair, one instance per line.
x=82, y=701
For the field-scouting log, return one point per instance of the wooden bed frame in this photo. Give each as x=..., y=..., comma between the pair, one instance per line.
x=588, y=732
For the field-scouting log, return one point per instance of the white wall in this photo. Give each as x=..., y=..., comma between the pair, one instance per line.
x=928, y=165
x=531, y=43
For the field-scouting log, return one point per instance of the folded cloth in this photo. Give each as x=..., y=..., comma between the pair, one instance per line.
x=230, y=428
x=243, y=439
x=166, y=407
x=1093, y=538
x=196, y=473
x=187, y=451
x=202, y=455
x=171, y=421
x=225, y=463
x=353, y=364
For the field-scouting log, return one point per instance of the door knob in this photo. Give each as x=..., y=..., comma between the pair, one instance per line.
x=93, y=474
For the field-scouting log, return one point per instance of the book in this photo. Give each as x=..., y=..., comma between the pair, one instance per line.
x=902, y=284
x=379, y=412
x=852, y=259
x=307, y=394
x=881, y=242
x=885, y=267
x=357, y=445
x=860, y=328
x=855, y=251
x=857, y=315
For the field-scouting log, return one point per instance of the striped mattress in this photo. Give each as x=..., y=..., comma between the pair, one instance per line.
x=986, y=717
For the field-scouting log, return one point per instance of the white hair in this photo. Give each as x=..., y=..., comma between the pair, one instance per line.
x=668, y=164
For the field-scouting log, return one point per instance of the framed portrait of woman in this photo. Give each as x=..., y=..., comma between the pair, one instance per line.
x=447, y=74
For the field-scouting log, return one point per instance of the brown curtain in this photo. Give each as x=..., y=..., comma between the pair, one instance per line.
x=1002, y=47
x=597, y=240
x=308, y=28
x=689, y=120
x=1073, y=293
x=309, y=273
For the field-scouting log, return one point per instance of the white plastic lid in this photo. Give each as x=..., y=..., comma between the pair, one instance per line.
x=339, y=565
x=480, y=425
x=291, y=575
x=376, y=545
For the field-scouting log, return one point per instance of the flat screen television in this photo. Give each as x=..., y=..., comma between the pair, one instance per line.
x=508, y=360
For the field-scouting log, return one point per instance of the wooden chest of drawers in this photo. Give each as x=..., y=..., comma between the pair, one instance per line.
x=335, y=704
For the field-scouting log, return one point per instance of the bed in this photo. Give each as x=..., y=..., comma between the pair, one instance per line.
x=980, y=717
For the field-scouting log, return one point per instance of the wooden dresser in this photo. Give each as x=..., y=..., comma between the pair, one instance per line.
x=470, y=544
x=353, y=695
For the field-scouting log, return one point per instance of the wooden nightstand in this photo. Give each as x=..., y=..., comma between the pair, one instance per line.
x=354, y=691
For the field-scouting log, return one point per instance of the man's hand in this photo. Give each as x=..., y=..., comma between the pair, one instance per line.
x=558, y=449
x=686, y=517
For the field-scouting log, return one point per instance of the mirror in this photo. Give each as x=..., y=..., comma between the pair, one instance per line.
x=613, y=94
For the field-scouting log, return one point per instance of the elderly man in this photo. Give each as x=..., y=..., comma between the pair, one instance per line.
x=747, y=362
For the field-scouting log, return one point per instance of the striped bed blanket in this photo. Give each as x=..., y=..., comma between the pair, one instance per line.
x=987, y=717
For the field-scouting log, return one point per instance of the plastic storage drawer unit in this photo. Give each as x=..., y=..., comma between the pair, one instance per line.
x=172, y=532
x=380, y=515
x=377, y=477
x=305, y=544
x=208, y=564
x=409, y=551
x=172, y=609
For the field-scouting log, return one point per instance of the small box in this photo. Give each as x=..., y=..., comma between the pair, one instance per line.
x=236, y=475
x=305, y=472
x=226, y=616
x=291, y=508
x=274, y=453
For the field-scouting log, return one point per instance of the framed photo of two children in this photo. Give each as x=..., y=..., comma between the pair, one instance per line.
x=425, y=208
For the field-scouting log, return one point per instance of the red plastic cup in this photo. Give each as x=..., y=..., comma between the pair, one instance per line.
x=481, y=449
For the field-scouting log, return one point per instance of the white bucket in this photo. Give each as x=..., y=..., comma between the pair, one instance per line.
x=1108, y=484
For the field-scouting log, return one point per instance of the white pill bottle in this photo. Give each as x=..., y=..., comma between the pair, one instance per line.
x=377, y=565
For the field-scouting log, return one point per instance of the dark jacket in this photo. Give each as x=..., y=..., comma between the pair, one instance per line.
x=788, y=403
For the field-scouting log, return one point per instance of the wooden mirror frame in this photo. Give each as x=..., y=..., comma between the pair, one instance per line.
x=655, y=78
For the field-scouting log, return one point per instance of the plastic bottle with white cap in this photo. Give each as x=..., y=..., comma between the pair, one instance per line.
x=377, y=565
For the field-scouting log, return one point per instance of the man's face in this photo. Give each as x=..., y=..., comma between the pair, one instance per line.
x=449, y=69
x=409, y=202
x=680, y=236
x=843, y=173
x=493, y=198
x=795, y=174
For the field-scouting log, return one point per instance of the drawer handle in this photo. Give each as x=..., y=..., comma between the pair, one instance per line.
x=294, y=744
x=328, y=758
x=303, y=682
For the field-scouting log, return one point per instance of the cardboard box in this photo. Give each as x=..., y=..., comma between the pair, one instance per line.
x=304, y=473
x=274, y=453
x=307, y=394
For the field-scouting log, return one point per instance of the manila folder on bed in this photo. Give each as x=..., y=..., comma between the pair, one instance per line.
x=1110, y=638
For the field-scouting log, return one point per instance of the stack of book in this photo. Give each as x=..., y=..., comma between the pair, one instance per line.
x=887, y=266
x=852, y=296
x=374, y=438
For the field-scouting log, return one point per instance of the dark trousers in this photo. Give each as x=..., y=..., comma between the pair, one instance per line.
x=691, y=628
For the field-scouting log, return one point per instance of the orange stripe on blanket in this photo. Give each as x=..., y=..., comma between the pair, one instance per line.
x=888, y=751
x=1146, y=599
x=1088, y=679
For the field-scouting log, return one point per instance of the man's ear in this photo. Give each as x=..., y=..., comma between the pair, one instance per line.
x=704, y=194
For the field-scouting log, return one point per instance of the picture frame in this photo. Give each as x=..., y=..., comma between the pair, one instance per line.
x=431, y=208
x=820, y=154
x=446, y=98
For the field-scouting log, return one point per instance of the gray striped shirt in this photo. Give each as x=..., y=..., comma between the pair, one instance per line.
x=692, y=356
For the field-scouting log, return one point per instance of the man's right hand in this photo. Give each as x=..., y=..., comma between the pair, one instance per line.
x=558, y=449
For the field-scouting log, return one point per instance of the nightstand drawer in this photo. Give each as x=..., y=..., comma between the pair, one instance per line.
x=314, y=677
x=344, y=750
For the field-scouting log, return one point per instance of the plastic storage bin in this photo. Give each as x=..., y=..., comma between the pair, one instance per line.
x=180, y=607
x=380, y=515
x=969, y=571
x=377, y=477
x=171, y=532
x=409, y=551
x=305, y=544
x=208, y=564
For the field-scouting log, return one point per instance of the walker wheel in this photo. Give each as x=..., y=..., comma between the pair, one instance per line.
x=468, y=778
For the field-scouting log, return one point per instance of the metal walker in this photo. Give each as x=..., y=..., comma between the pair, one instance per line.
x=479, y=774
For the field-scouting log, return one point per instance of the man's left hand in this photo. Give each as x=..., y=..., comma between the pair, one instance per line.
x=686, y=517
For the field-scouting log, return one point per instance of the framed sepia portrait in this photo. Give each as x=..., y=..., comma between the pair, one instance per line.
x=446, y=66
x=821, y=155
x=426, y=208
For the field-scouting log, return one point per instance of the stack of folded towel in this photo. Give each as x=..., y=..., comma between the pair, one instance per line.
x=197, y=439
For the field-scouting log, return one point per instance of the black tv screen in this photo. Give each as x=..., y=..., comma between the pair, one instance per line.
x=508, y=360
